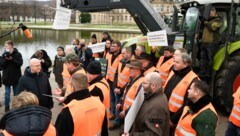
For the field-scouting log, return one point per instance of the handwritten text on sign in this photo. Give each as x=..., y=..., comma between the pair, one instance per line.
x=157, y=38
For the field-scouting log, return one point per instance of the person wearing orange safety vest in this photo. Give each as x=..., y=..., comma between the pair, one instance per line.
x=113, y=59
x=131, y=90
x=165, y=63
x=234, y=118
x=24, y=116
x=99, y=87
x=123, y=78
x=176, y=86
x=199, y=117
x=147, y=65
x=73, y=65
x=83, y=114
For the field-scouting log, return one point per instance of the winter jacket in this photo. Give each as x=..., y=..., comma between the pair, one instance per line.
x=211, y=30
x=37, y=84
x=12, y=68
x=153, y=117
x=85, y=56
x=58, y=69
x=27, y=121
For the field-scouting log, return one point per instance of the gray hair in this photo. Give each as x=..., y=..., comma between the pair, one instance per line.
x=128, y=49
x=186, y=58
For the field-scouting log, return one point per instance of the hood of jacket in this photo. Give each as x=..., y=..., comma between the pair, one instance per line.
x=27, y=121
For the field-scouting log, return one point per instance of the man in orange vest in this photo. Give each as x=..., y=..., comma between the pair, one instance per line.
x=176, y=86
x=165, y=63
x=113, y=59
x=131, y=89
x=199, y=118
x=147, y=65
x=73, y=65
x=234, y=118
x=122, y=79
x=98, y=86
x=84, y=114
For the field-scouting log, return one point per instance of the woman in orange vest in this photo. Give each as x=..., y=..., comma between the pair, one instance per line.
x=24, y=116
x=234, y=118
x=199, y=118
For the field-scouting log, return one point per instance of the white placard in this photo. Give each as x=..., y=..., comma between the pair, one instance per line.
x=62, y=18
x=157, y=38
x=133, y=111
x=98, y=47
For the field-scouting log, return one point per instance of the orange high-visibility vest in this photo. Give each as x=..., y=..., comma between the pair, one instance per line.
x=131, y=93
x=164, y=68
x=152, y=69
x=51, y=131
x=112, y=67
x=176, y=99
x=104, y=86
x=69, y=88
x=123, y=75
x=88, y=115
x=184, y=127
x=235, y=114
x=66, y=75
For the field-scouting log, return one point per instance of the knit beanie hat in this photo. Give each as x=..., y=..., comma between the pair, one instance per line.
x=94, y=68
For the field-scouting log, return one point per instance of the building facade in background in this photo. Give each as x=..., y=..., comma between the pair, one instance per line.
x=121, y=16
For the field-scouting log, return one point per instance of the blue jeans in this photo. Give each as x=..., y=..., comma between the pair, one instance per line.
x=232, y=130
x=8, y=92
x=117, y=120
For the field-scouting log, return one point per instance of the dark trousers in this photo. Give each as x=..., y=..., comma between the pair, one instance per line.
x=206, y=59
x=232, y=130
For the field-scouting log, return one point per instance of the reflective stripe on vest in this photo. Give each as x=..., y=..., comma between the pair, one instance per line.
x=131, y=93
x=152, y=69
x=235, y=114
x=176, y=99
x=87, y=115
x=123, y=76
x=104, y=87
x=112, y=67
x=184, y=127
x=69, y=88
x=164, y=69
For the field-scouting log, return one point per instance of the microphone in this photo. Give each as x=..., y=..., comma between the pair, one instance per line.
x=26, y=31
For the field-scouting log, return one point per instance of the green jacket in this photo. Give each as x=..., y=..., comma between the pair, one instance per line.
x=211, y=30
x=206, y=122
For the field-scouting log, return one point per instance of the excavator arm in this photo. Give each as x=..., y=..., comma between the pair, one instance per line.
x=145, y=16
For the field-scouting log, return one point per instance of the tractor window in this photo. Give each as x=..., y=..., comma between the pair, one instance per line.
x=237, y=32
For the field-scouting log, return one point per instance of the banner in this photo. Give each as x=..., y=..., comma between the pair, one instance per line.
x=157, y=38
x=99, y=47
x=62, y=18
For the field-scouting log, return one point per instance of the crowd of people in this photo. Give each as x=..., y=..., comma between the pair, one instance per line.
x=175, y=101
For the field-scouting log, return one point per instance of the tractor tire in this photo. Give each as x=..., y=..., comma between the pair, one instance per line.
x=224, y=81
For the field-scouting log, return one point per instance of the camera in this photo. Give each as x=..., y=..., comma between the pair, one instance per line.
x=6, y=54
